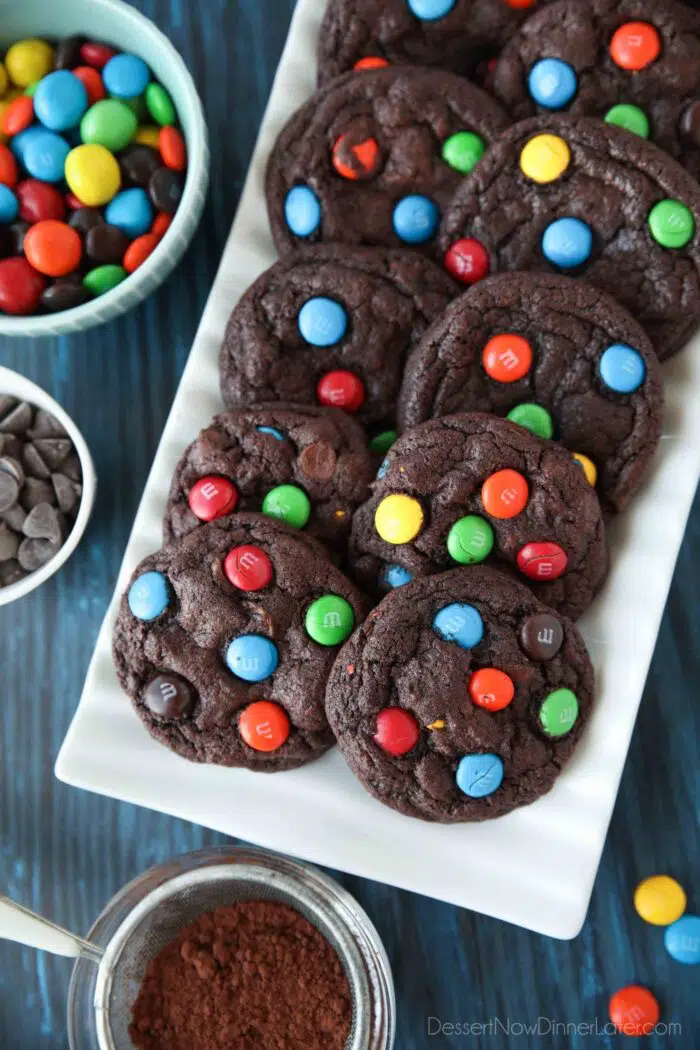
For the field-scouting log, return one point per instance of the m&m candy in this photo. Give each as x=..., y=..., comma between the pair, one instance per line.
x=396, y=576
x=288, y=503
x=398, y=518
x=507, y=358
x=322, y=321
x=671, y=224
x=635, y=45
x=463, y=151
x=567, y=243
x=149, y=596
x=545, y=158
x=252, y=657
x=416, y=219
x=480, y=775
x=470, y=540
x=552, y=83
x=431, y=10
x=505, y=494
x=491, y=689
x=459, y=623
x=302, y=211
x=559, y=712
x=264, y=725
x=542, y=561
x=397, y=731
x=212, y=497
x=248, y=568
x=634, y=1010
x=532, y=417
x=329, y=620
x=622, y=368
x=467, y=260
x=659, y=900
x=682, y=940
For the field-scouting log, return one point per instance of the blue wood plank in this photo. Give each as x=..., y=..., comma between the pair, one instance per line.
x=65, y=852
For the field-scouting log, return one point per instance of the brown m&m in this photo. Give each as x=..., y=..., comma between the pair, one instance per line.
x=168, y=696
x=542, y=636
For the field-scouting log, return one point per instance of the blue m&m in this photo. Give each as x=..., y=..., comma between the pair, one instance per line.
x=272, y=431
x=60, y=101
x=302, y=211
x=132, y=211
x=252, y=657
x=552, y=83
x=682, y=940
x=126, y=76
x=322, y=321
x=567, y=243
x=9, y=205
x=149, y=596
x=459, y=623
x=416, y=219
x=479, y=775
x=430, y=10
x=396, y=576
x=44, y=156
x=622, y=368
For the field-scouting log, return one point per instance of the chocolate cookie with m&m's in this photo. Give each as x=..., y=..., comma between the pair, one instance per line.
x=332, y=325
x=556, y=356
x=225, y=639
x=582, y=198
x=474, y=488
x=374, y=159
x=457, y=35
x=461, y=697
x=634, y=63
x=309, y=467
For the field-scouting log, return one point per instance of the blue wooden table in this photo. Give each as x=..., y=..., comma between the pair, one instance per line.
x=64, y=852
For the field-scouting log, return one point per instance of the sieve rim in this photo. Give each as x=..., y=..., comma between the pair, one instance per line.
x=342, y=916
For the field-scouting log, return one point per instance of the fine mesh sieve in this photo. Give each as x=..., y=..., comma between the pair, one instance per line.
x=162, y=914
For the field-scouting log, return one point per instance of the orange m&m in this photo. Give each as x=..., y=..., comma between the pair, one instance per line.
x=634, y=1010
x=507, y=358
x=18, y=115
x=356, y=160
x=371, y=62
x=635, y=45
x=172, y=148
x=505, y=494
x=53, y=248
x=139, y=250
x=491, y=688
x=264, y=726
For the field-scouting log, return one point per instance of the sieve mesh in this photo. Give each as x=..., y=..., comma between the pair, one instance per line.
x=162, y=914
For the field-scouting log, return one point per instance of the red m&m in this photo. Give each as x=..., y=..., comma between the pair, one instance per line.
x=356, y=160
x=542, y=561
x=341, y=389
x=634, y=1010
x=397, y=731
x=21, y=286
x=248, y=568
x=212, y=497
x=467, y=260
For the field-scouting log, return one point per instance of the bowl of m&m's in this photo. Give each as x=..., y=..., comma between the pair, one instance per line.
x=104, y=163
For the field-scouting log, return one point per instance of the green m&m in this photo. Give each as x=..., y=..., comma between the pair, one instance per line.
x=533, y=418
x=463, y=151
x=288, y=503
x=109, y=123
x=160, y=104
x=329, y=620
x=470, y=540
x=103, y=278
x=631, y=118
x=559, y=712
x=381, y=443
x=671, y=224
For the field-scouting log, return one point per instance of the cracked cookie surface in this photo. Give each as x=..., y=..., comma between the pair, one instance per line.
x=187, y=618
x=468, y=361
x=321, y=452
x=614, y=187
x=383, y=300
x=470, y=488
x=351, y=162
x=426, y=725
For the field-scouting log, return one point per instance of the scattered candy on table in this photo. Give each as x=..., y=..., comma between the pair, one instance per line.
x=92, y=170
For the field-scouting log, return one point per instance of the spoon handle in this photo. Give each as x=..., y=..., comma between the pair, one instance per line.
x=25, y=927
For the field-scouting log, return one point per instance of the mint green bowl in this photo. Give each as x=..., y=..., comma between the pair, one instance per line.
x=119, y=24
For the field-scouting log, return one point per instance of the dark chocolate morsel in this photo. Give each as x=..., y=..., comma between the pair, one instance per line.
x=9, y=543
x=9, y=490
x=33, y=553
x=10, y=572
x=318, y=461
x=36, y=491
x=12, y=466
x=34, y=463
x=690, y=123
x=18, y=420
x=541, y=636
x=165, y=187
x=168, y=696
x=43, y=523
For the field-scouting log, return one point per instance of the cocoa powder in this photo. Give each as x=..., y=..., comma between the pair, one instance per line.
x=255, y=975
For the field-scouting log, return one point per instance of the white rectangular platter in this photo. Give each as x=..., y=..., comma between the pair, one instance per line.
x=535, y=867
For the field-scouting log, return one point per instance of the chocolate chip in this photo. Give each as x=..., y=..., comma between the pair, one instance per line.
x=165, y=187
x=168, y=696
x=541, y=636
x=9, y=490
x=690, y=123
x=106, y=244
x=71, y=468
x=34, y=463
x=9, y=543
x=18, y=231
x=18, y=420
x=68, y=492
x=36, y=491
x=12, y=446
x=138, y=163
x=67, y=53
x=12, y=466
x=10, y=572
x=46, y=425
x=64, y=296
x=318, y=461
x=7, y=403
x=14, y=517
x=54, y=451
x=43, y=523
x=33, y=553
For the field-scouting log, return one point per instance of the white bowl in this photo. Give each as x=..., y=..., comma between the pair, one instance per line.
x=17, y=386
x=116, y=23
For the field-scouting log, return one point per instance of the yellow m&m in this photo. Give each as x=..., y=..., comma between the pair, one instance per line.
x=545, y=158
x=92, y=174
x=659, y=900
x=27, y=61
x=398, y=518
x=148, y=135
x=588, y=466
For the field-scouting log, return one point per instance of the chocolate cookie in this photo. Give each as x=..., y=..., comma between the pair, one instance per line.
x=471, y=487
x=554, y=355
x=225, y=639
x=374, y=159
x=461, y=697
x=333, y=325
x=308, y=466
x=457, y=35
x=635, y=63
x=576, y=196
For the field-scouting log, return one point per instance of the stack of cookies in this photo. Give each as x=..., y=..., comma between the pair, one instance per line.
x=435, y=401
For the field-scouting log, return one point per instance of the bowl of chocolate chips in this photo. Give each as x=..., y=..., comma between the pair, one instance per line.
x=47, y=486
